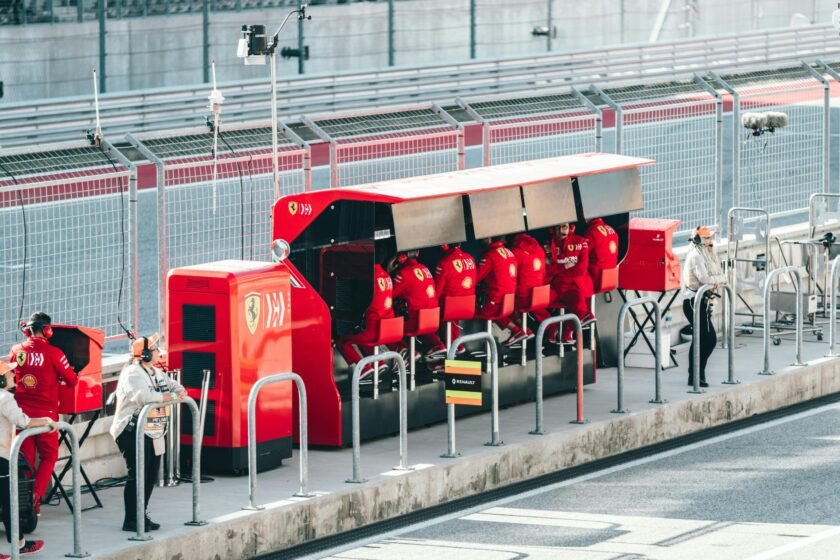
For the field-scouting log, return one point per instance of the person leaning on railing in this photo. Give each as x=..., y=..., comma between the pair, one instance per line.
x=141, y=383
x=12, y=417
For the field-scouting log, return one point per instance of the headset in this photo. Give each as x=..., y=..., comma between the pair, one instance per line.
x=146, y=353
x=30, y=327
x=696, y=238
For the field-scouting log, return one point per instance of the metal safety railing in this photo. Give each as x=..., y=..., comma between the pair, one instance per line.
x=252, y=436
x=403, y=397
x=622, y=316
x=832, y=301
x=538, y=429
x=493, y=354
x=695, y=335
x=14, y=498
x=140, y=451
x=794, y=273
x=817, y=216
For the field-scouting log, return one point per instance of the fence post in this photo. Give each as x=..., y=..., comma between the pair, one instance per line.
x=472, y=29
x=768, y=284
x=403, y=395
x=538, y=429
x=14, y=498
x=252, y=436
x=390, y=32
x=657, y=399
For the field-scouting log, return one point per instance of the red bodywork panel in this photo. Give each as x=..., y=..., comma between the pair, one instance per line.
x=650, y=264
x=251, y=339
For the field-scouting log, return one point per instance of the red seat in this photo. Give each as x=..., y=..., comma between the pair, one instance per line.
x=508, y=304
x=606, y=280
x=428, y=321
x=389, y=331
x=539, y=298
x=457, y=308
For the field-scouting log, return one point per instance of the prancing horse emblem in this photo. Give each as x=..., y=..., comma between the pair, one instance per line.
x=293, y=208
x=252, y=311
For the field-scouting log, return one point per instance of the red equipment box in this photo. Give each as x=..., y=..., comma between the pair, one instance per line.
x=234, y=319
x=650, y=265
x=83, y=348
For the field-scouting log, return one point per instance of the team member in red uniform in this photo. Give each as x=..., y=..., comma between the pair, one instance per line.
x=603, y=247
x=454, y=276
x=40, y=368
x=530, y=260
x=352, y=346
x=571, y=285
x=496, y=276
x=414, y=289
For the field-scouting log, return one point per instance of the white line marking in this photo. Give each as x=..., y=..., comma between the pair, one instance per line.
x=776, y=552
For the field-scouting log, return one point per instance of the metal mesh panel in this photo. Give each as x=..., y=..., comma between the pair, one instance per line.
x=675, y=124
x=371, y=124
x=64, y=247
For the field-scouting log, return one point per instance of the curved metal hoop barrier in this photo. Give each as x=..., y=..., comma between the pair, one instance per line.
x=832, y=300
x=768, y=284
x=357, y=445
x=14, y=498
x=252, y=436
x=622, y=315
x=730, y=334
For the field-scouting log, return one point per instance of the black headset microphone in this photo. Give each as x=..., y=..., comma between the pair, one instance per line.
x=146, y=354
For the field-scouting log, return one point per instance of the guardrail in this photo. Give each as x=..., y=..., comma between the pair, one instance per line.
x=538, y=429
x=768, y=284
x=171, y=108
x=622, y=315
x=14, y=499
x=252, y=436
x=695, y=334
x=140, y=451
x=357, y=445
x=832, y=300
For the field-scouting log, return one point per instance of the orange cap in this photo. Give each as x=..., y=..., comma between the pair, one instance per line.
x=137, y=345
x=703, y=231
x=6, y=367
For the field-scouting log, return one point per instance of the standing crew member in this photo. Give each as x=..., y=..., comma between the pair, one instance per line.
x=142, y=383
x=40, y=368
x=496, y=277
x=530, y=259
x=11, y=417
x=603, y=248
x=414, y=289
x=570, y=282
x=701, y=268
x=454, y=276
x=353, y=346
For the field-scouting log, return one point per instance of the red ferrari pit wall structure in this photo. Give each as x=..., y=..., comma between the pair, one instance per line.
x=64, y=246
x=212, y=208
x=390, y=144
x=528, y=128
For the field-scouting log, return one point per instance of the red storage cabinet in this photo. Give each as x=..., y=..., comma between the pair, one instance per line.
x=650, y=264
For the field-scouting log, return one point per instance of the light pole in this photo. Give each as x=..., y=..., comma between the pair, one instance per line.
x=254, y=47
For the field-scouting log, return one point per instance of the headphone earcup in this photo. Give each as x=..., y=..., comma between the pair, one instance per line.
x=146, y=354
x=48, y=331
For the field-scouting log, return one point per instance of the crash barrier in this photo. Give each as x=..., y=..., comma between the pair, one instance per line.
x=172, y=458
x=357, y=451
x=14, y=499
x=252, y=435
x=493, y=357
x=695, y=355
x=832, y=300
x=140, y=450
x=736, y=229
x=794, y=273
x=538, y=429
x=657, y=399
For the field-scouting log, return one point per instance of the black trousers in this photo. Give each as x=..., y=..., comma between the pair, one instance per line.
x=4, y=500
x=126, y=442
x=706, y=333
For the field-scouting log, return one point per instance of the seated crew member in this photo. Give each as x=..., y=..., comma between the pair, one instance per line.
x=701, y=268
x=603, y=247
x=454, y=276
x=571, y=285
x=414, y=289
x=40, y=368
x=352, y=346
x=530, y=259
x=496, y=276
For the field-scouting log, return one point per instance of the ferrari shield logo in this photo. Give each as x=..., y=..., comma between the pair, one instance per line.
x=458, y=265
x=419, y=274
x=252, y=311
x=20, y=358
x=293, y=208
x=603, y=230
x=381, y=283
x=501, y=251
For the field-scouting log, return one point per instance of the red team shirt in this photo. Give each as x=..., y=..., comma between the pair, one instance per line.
x=382, y=305
x=413, y=282
x=530, y=258
x=603, y=246
x=497, y=271
x=573, y=249
x=40, y=368
x=455, y=274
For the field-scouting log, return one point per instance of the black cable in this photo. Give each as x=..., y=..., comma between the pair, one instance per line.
x=241, y=202
x=25, y=242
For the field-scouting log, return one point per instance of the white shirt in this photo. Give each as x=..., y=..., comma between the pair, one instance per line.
x=138, y=386
x=695, y=274
x=11, y=417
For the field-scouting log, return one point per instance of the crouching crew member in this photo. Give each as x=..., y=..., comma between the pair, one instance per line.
x=530, y=259
x=454, y=276
x=603, y=247
x=141, y=383
x=353, y=346
x=496, y=276
x=571, y=285
x=414, y=289
x=11, y=417
x=40, y=368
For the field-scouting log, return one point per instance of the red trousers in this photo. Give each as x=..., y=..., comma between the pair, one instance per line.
x=353, y=346
x=47, y=446
x=572, y=300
